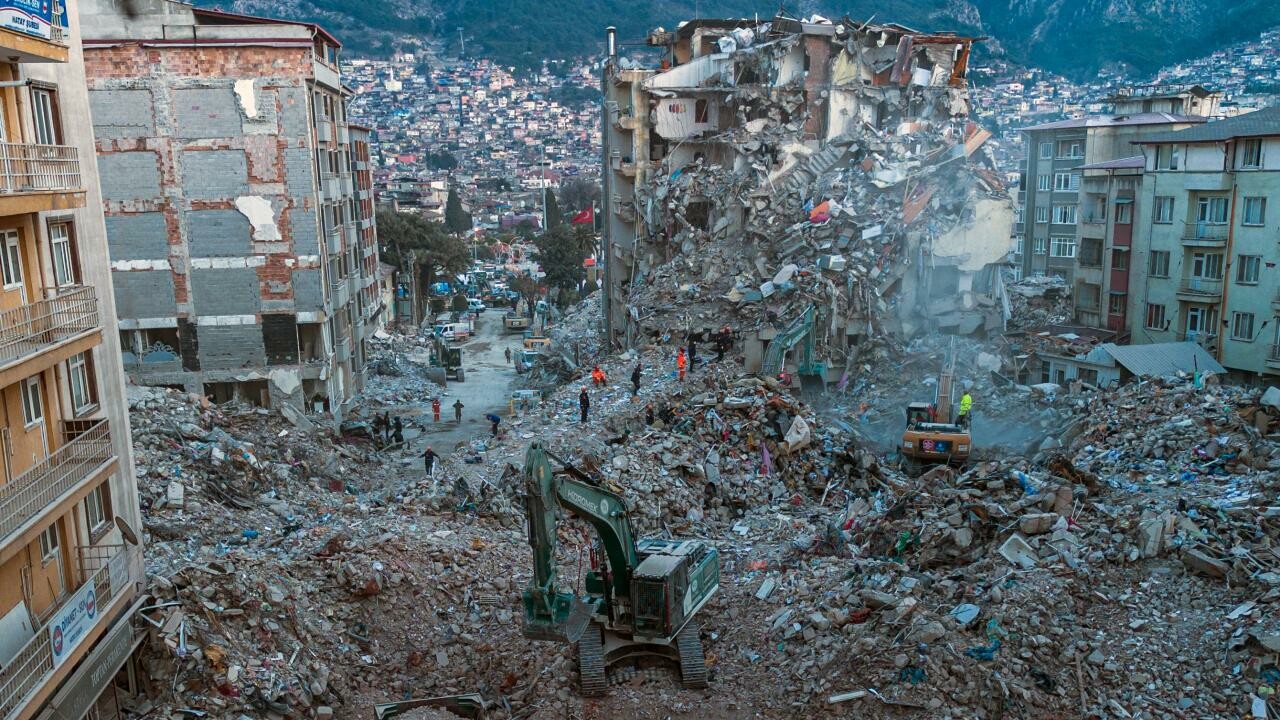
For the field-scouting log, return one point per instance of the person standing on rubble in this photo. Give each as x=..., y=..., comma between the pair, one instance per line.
x=397, y=434
x=457, y=410
x=648, y=414
x=966, y=406
x=429, y=459
x=508, y=356
x=724, y=341
x=493, y=423
x=597, y=376
x=584, y=404
x=435, y=408
x=635, y=380
x=693, y=348
x=681, y=362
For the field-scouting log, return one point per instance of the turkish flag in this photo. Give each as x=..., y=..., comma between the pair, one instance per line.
x=586, y=217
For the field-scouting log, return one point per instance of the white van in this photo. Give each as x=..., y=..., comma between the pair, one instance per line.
x=475, y=305
x=456, y=331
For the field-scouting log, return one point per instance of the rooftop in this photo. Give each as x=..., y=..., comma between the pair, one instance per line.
x=1254, y=124
x=1100, y=121
x=1161, y=359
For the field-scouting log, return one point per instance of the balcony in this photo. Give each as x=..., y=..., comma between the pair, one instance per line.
x=352, y=234
x=1202, y=290
x=1273, y=357
x=324, y=130
x=39, y=177
x=43, y=325
x=1206, y=340
x=110, y=573
x=1213, y=236
x=86, y=449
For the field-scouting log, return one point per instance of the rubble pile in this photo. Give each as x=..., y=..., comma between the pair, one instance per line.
x=397, y=371
x=1039, y=301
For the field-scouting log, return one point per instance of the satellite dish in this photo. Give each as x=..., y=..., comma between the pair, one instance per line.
x=126, y=531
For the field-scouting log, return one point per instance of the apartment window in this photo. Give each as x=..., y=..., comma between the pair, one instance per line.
x=1200, y=321
x=1211, y=210
x=1070, y=150
x=1042, y=214
x=64, y=265
x=97, y=508
x=1155, y=317
x=1041, y=246
x=44, y=113
x=1066, y=181
x=1255, y=210
x=1207, y=266
x=12, y=261
x=1251, y=154
x=80, y=376
x=1124, y=213
x=1119, y=259
x=1162, y=211
x=1046, y=151
x=32, y=408
x=1248, y=269
x=1043, y=182
x=1063, y=246
x=1019, y=244
x=49, y=543
x=1166, y=157
x=1064, y=214
x=1158, y=264
x=700, y=113
x=1116, y=303
x=1242, y=326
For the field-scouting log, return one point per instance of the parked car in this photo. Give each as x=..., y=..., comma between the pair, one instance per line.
x=475, y=305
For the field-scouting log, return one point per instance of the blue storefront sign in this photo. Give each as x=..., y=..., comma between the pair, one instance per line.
x=29, y=17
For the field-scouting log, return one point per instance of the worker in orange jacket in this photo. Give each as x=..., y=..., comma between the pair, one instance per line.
x=435, y=409
x=597, y=376
x=681, y=362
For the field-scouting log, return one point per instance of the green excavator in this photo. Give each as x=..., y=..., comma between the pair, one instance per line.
x=638, y=605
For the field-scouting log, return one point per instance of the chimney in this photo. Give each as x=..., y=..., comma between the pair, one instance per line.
x=611, y=33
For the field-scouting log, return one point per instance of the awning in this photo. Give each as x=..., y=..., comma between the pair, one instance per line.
x=1124, y=201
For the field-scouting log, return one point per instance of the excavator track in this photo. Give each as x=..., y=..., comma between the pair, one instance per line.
x=693, y=663
x=591, y=677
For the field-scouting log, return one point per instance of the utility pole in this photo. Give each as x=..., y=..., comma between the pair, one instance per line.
x=542, y=179
x=462, y=41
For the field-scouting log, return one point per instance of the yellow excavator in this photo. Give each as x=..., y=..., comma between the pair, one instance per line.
x=934, y=434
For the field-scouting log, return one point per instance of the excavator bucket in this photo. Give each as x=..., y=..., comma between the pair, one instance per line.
x=567, y=624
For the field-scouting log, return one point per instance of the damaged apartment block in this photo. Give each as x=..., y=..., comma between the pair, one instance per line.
x=800, y=179
x=238, y=202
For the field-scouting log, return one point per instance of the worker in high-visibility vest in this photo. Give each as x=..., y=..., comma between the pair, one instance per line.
x=966, y=405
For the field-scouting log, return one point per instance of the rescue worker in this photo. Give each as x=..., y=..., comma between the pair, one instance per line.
x=597, y=376
x=584, y=403
x=397, y=434
x=693, y=348
x=493, y=423
x=435, y=408
x=681, y=362
x=724, y=341
x=457, y=410
x=648, y=414
x=429, y=459
x=508, y=356
x=635, y=380
x=966, y=406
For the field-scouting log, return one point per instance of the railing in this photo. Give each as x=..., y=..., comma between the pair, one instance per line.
x=24, y=497
x=1203, y=339
x=56, y=32
x=1204, y=236
x=1091, y=260
x=1201, y=286
x=30, y=328
x=110, y=575
x=1273, y=356
x=26, y=167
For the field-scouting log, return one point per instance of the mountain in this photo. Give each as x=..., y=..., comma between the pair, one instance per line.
x=1073, y=37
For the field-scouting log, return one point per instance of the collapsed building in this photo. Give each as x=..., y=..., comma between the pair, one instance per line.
x=792, y=170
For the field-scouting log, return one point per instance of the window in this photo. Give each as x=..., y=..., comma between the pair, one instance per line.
x=1211, y=210
x=64, y=267
x=1155, y=317
x=1207, y=266
x=1255, y=210
x=12, y=261
x=1064, y=214
x=1251, y=154
x=32, y=408
x=1158, y=264
x=700, y=113
x=44, y=114
x=1019, y=244
x=49, y=543
x=1116, y=303
x=1041, y=246
x=1043, y=182
x=1124, y=213
x=1042, y=214
x=1066, y=181
x=1166, y=157
x=1119, y=259
x=1070, y=149
x=1242, y=326
x=1162, y=211
x=80, y=376
x=1063, y=246
x=1248, y=268
x=1046, y=151
x=97, y=508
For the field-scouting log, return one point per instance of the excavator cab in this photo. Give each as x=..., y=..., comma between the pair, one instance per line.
x=918, y=414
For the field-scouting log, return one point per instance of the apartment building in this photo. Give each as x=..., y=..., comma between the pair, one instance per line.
x=370, y=308
x=1173, y=99
x=70, y=564
x=1057, y=214
x=1205, y=247
x=238, y=239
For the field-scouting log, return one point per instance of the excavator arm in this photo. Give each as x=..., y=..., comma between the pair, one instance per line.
x=550, y=613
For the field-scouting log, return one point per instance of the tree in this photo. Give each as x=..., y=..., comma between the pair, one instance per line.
x=578, y=194
x=554, y=216
x=455, y=218
x=589, y=287
x=560, y=254
x=413, y=243
x=526, y=286
x=459, y=303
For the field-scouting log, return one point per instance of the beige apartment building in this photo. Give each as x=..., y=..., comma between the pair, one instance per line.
x=70, y=566
x=1205, y=251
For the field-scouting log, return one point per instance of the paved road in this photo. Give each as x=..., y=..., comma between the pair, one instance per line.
x=487, y=389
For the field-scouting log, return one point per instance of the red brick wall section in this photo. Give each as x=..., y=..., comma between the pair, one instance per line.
x=819, y=51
